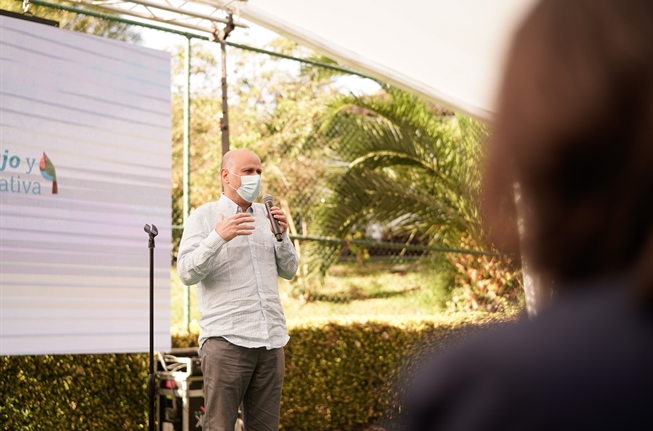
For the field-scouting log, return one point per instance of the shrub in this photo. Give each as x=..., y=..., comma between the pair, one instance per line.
x=74, y=392
x=347, y=374
x=486, y=283
x=340, y=375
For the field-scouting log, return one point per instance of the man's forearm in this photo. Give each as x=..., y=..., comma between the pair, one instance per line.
x=287, y=259
x=193, y=262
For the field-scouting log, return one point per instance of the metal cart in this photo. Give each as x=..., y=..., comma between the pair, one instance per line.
x=180, y=391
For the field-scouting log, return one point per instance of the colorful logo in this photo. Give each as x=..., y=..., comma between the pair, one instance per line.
x=48, y=172
x=13, y=165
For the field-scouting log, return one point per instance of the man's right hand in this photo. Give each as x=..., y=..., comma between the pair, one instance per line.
x=234, y=226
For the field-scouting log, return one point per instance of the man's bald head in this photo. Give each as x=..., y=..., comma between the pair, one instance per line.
x=231, y=158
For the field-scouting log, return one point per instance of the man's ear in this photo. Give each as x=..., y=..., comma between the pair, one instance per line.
x=224, y=176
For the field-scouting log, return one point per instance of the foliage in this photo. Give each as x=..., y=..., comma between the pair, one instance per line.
x=77, y=22
x=74, y=392
x=322, y=72
x=484, y=282
x=342, y=374
x=412, y=168
x=397, y=163
x=346, y=375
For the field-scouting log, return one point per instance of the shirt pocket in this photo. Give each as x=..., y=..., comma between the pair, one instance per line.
x=265, y=251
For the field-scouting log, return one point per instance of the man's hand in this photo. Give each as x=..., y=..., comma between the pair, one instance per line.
x=234, y=226
x=280, y=217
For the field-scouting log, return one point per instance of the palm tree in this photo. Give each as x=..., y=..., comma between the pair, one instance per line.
x=403, y=163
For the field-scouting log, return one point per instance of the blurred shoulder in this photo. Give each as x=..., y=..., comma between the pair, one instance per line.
x=592, y=349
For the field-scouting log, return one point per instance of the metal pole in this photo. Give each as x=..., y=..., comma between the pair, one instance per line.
x=186, y=179
x=224, y=122
x=221, y=36
x=150, y=379
x=151, y=382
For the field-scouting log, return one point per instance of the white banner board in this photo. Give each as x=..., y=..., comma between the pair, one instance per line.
x=85, y=163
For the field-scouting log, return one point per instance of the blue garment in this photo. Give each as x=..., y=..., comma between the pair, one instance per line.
x=237, y=289
x=584, y=364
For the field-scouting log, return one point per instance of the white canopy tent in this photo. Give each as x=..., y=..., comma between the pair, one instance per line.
x=450, y=52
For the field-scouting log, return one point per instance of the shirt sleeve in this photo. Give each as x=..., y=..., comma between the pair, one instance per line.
x=199, y=243
x=287, y=259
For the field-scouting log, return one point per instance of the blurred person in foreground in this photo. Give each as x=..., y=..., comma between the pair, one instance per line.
x=229, y=250
x=575, y=133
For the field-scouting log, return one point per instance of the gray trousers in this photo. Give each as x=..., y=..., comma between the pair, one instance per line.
x=234, y=374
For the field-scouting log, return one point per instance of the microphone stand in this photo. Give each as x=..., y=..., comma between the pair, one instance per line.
x=152, y=232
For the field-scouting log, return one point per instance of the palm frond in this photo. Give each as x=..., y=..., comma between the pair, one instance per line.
x=396, y=162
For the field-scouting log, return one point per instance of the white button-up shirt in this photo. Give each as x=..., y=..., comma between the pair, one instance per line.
x=237, y=289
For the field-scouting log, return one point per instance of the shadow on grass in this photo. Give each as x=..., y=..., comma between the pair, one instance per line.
x=373, y=268
x=356, y=294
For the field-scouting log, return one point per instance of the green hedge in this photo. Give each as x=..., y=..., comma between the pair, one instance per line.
x=339, y=376
x=74, y=392
x=343, y=376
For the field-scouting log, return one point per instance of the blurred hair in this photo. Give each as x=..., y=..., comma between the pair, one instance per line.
x=575, y=132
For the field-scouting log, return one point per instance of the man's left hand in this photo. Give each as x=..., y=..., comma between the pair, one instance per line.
x=280, y=216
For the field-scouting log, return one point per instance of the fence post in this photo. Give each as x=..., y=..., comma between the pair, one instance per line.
x=186, y=179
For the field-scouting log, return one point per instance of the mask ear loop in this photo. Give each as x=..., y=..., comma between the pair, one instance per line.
x=241, y=181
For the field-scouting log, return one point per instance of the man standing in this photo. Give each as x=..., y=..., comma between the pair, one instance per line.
x=228, y=250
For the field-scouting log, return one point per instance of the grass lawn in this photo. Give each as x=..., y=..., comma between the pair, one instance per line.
x=372, y=290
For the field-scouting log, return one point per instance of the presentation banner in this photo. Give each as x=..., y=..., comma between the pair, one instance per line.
x=85, y=163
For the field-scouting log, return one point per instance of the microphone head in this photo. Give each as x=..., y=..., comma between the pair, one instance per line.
x=267, y=198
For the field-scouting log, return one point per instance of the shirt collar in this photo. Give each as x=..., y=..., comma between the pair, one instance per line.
x=231, y=207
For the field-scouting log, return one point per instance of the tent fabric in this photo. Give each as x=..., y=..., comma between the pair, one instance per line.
x=451, y=53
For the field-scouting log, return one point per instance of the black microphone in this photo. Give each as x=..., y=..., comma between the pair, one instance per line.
x=267, y=200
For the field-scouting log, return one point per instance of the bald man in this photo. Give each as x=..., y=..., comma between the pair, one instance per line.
x=228, y=250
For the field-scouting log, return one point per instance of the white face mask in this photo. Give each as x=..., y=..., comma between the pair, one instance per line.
x=250, y=186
